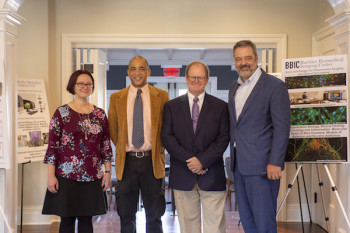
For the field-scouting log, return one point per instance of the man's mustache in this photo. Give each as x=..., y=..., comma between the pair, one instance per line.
x=244, y=66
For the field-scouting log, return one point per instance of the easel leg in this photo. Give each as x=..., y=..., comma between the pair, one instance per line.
x=323, y=203
x=289, y=188
x=334, y=189
x=6, y=222
x=301, y=209
x=22, y=198
x=307, y=198
x=22, y=182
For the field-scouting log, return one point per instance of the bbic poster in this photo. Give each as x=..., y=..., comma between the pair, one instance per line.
x=32, y=120
x=319, y=117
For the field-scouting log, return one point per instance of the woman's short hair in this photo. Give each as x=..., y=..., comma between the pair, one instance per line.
x=73, y=80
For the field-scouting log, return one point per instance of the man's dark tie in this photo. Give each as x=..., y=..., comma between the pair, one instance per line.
x=195, y=113
x=137, y=129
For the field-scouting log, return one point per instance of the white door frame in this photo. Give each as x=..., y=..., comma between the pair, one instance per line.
x=223, y=41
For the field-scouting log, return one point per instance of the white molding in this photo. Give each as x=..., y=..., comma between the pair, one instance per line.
x=323, y=42
x=339, y=20
x=323, y=33
x=70, y=41
x=32, y=216
x=339, y=5
x=9, y=23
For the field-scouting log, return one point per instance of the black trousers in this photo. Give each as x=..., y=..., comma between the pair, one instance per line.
x=138, y=176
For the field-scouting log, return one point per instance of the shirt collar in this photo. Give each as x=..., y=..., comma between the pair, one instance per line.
x=144, y=89
x=200, y=97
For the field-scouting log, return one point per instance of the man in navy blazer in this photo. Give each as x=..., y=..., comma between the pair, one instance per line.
x=196, y=145
x=259, y=111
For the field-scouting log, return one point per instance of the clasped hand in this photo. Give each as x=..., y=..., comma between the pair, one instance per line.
x=195, y=166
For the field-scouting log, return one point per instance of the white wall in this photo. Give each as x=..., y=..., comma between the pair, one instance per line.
x=40, y=40
x=33, y=63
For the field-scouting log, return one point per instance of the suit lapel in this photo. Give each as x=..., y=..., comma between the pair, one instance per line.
x=231, y=101
x=185, y=106
x=203, y=113
x=122, y=113
x=257, y=88
x=155, y=111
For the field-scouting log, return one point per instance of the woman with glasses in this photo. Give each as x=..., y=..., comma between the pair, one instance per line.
x=78, y=146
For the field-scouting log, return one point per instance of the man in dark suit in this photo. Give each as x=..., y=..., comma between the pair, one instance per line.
x=259, y=131
x=195, y=132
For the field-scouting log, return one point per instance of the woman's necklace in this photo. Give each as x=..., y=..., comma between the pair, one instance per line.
x=85, y=127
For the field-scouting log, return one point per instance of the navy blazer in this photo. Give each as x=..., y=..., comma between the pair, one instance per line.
x=208, y=143
x=262, y=130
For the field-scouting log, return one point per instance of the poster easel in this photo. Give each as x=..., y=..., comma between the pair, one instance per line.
x=333, y=187
x=22, y=182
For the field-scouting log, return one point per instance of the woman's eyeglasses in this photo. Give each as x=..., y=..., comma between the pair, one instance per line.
x=88, y=85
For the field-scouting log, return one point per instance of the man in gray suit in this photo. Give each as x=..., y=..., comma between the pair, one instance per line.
x=259, y=130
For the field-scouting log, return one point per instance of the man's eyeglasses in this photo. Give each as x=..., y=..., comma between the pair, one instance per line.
x=193, y=78
x=88, y=85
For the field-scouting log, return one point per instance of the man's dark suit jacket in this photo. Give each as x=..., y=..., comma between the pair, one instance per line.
x=208, y=143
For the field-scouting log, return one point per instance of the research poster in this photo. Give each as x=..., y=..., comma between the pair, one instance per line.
x=32, y=120
x=4, y=150
x=318, y=95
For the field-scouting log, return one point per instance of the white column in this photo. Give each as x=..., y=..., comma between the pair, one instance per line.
x=340, y=173
x=9, y=22
x=98, y=59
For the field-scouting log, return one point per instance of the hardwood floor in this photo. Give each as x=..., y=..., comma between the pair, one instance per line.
x=110, y=223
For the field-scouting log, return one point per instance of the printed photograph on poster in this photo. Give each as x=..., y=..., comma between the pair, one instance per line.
x=320, y=98
x=32, y=120
x=317, y=89
x=30, y=104
x=325, y=80
x=317, y=150
x=318, y=115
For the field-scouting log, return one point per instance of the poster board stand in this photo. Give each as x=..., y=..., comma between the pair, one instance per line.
x=22, y=182
x=307, y=198
x=320, y=184
x=335, y=190
x=290, y=185
x=333, y=187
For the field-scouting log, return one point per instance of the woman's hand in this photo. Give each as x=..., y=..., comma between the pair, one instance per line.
x=106, y=180
x=52, y=184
